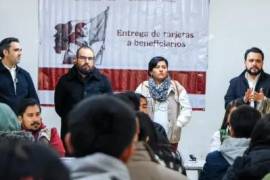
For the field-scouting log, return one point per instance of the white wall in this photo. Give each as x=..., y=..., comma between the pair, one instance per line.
x=234, y=27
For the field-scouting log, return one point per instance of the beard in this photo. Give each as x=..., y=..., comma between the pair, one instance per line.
x=254, y=73
x=85, y=69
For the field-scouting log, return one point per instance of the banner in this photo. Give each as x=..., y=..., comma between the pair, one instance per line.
x=125, y=35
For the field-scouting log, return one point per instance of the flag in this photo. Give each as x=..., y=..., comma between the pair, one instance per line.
x=76, y=33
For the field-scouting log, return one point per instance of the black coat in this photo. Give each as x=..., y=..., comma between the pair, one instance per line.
x=255, y=164
x=239, y=85
x=24, y=87
x=72, y=88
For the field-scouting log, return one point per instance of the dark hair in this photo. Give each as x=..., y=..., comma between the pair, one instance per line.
x=159, y=146
x=130, y=98
x=25, y=103
x=141, y=96
x=230, y=105
x=5, y=44
x=147, y=129
x=243, y=120
x=83, y=47
x=154, y=61
x=101, y=124
x=252, y=167
x=261, y=133
x=19, y=160
x=254, y=50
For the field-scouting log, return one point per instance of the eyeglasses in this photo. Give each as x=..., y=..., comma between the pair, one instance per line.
x=86, y=58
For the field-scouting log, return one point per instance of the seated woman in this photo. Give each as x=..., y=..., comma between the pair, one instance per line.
x=160, y=147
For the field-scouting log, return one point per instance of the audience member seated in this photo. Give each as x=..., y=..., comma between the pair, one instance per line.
x=31, y=121
x=255, y=163
x=27, y=161
x=162, y=149
x=144, y=164
x=241, y=124
x=134, y=101
x=161, y=133
x=219, y=136
x=101, y=137
x=10, y=127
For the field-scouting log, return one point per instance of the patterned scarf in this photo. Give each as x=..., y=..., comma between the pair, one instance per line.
x=159, y=92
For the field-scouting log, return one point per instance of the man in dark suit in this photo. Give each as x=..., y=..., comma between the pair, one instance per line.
x=253, y=85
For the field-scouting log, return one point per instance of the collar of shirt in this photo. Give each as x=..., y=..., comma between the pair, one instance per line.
x=252, y=82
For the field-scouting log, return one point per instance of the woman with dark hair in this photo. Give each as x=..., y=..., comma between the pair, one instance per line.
x=255, y=163
x=168, y=102
x=161, y=147
x=219, y=136
x=152, y=159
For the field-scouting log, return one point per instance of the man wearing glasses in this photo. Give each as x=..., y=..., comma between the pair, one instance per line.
x=82, y=80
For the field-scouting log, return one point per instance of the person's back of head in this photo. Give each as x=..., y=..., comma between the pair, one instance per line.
x=8, y=119
x=101, y=124
x=242, y=121
x=130, y=98
x=256, y=162
x=24, y=160
x=147, y=131
x=229, y=108
x=160, y=147
x=261, y=133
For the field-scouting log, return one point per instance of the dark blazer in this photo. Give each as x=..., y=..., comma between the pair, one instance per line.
x=24, y=87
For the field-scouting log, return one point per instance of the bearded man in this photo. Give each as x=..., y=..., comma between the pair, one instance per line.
x=82, y=80
x=252, y=86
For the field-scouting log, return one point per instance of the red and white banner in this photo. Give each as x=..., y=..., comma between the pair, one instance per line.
x=125, y=35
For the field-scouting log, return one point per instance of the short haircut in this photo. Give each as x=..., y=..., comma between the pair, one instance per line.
x=83, y=47
x=101, y=124
x=25, y=103
x=20, y=159
x=5, y=44
x=254, y=50
x=261, y=132
x=243, y=120
x=130, y=98
x=154, y=61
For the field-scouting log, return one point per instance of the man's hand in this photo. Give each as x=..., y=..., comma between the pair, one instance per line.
x=249, y=95
x=259, y=96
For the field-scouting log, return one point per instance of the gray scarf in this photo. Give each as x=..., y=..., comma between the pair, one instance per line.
x=159, y=92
